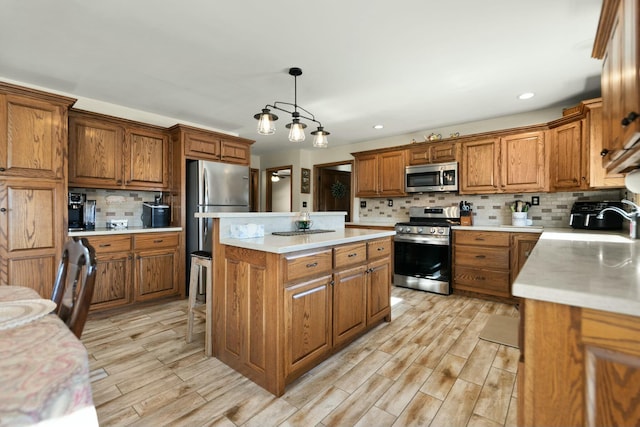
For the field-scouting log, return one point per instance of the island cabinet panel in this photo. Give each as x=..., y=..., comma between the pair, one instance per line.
x=308, y=317
x=593, y=375
x=307, y=264
x=378, y=291
x=349, y=304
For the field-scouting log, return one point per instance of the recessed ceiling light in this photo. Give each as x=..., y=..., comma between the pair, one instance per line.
x=526, y=95
x=378, y=126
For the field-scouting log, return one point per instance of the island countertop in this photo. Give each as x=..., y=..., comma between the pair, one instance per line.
x=581, y=268
x=285, y=244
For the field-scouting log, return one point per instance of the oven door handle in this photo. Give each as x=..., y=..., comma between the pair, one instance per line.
x=428, y=240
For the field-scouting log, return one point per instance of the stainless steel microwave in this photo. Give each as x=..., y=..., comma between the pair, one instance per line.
x=431, y=178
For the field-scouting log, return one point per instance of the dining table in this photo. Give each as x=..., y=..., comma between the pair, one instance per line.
x=44, y=367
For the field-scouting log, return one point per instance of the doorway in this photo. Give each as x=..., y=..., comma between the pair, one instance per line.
x=279, y=189
x=332, y=189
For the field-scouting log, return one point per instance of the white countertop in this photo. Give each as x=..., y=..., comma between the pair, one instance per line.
x=509, y=228
x=582, y=268
x=286, y=244
x=103, y=231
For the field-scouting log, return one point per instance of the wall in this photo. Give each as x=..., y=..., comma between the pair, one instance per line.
x=493, y=209
x=117, y=204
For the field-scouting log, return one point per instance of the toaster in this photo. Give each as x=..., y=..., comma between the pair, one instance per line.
x=155, y=215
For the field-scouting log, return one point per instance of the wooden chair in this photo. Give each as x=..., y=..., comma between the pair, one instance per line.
x=73, y=288
x=200, y=259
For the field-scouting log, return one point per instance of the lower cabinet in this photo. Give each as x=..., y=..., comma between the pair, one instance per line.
x=274, y=327
x=487, y=262
x=134, y=267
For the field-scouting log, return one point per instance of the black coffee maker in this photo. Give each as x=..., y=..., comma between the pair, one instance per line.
x=75, y=205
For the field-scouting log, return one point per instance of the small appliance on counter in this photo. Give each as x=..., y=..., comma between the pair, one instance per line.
x=155, y=215
x=75, y=211
x=583, y=215
x=90, y=215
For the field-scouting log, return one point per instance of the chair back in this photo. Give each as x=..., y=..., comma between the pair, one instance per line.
x=73, y=288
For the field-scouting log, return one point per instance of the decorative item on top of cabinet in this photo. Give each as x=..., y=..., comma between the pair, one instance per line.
x=380, y=173
x=424, y=153
x=107, y=152
x=617, y=45
x=33, y=214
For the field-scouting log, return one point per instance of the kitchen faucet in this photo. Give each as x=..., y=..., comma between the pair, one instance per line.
x=632, y=216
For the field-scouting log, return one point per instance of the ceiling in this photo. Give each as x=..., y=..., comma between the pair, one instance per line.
x=409, y=65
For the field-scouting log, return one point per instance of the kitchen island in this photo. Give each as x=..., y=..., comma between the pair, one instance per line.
x=580, y=330
x=283, y=304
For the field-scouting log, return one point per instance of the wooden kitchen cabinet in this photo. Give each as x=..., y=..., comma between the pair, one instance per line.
x=593, y=377
x=380, y=174
x=513, y=163
x=200, y=144
x=617, y=44
x=33, y=190
x=432, y=152
x=521, y=246
x=113, y=286
x=569, y=159
x=598, y=176
x=349, y=304
x=156, y=261
x=106, y=152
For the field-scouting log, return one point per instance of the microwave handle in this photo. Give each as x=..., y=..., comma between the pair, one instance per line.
x=441, y=178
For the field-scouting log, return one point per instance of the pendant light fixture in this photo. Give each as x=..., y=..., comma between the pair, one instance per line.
x=266, y=119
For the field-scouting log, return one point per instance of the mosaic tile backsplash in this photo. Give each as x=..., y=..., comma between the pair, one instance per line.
x=490, y=209
x=118, y=204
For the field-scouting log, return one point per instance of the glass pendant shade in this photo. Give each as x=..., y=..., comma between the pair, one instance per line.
x=266, y=122
x=296, y=131
x=320, y=140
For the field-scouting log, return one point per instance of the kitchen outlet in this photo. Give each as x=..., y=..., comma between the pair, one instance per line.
x=535, y=200
x=304, y=204
x=363, y=204
x=389, y=202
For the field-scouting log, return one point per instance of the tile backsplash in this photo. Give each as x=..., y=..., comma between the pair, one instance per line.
x=491, y=209
x=118, y=204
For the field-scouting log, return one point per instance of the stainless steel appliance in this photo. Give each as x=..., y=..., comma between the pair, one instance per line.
x=212, y=187
x=584, y=213
x=155, y=215
x=90, y=215
x=75, y=211
x=431, y=178
x=422, y=258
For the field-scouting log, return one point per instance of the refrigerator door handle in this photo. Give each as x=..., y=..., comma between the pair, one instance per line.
x=205, y=186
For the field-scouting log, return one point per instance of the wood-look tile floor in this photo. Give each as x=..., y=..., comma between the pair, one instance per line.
x=426, y=368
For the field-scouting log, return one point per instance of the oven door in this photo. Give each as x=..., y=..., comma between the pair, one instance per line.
x=423, y=263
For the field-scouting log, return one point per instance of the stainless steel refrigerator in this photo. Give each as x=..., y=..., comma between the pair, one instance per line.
x=211, y=187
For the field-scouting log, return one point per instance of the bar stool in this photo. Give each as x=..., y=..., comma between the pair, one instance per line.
x=200, y=259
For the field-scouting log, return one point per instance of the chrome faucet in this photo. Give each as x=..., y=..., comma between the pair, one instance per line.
x=632, y=216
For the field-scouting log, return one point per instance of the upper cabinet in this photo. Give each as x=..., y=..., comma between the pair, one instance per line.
x=598, y=176
x=200, y=144
x=618, y=46
x=511, y=164
x=105, y=152
x=432, y=152
x=380, y=173
x=569, y=159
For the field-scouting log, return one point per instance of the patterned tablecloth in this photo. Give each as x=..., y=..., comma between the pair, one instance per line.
x=44, y=370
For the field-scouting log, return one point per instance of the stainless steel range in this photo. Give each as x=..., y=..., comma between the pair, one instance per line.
x=423, y=249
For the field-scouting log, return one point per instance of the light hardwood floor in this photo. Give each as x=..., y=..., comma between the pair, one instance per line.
x=426, y=368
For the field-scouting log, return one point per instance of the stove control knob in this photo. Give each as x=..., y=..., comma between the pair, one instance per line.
x=441, y=230
x=420, y=230
x=433, y=230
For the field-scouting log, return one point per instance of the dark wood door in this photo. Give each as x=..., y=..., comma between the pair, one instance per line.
x=340, y=198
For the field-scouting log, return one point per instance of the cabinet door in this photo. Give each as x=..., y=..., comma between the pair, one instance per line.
x=234, y=152
x=522, y=162
x=598, y=177
x=349, y=304
x=569, y=157
x=366, y=167
x=95, y=153
x=307, y=323
x=378, y=290
x=33, y=136
x=146, y=159
x=155, y=274
x=521, y=246
x=419, y=154
x=32, y=226
x=479, y=172
x=202, y=146
x=444, y=152
x=391, y=173
x=114, y=282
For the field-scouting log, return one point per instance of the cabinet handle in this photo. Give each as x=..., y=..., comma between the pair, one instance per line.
x=158, y=241
x=105, y=245
x=333, y=282
x=480, y=278
x=480, y=239
x=311, y=265
x=604, y=152
x=3, y=210
x=130, y=257
x=119, y=182
x=2, y=169
x=352, y=255
x=631, y=117
x=480, y=256
x=380, y=249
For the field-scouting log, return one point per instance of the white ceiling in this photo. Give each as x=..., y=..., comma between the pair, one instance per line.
x=407, y=64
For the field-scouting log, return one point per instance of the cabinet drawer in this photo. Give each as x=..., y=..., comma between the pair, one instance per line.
x=155, y=240
x=378, y=248
x=481, y=280
x=485, y=238
x=108, y=244
x=304, y=265
x=350, y=254
x=484, y=257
